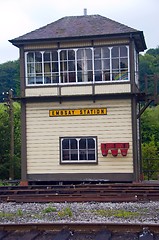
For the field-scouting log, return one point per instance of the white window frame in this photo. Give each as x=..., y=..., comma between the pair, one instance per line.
x=78, y=151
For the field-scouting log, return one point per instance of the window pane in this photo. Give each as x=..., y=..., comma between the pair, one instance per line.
x=123, y=51
x=64, y=77
x=74, y=155
x=63, y=66
x=79, y=76
x=71, y=55
x=47, y=78
x=63, y=55
x=38, y=57
x=84, y=54
x=39, y=79
x=116, y=76
x=31, y=80
x=106, y=64
x=72, y=76
x=106, y=75
x=105, y=52
x=65, y=155
x=38, y=67
x=79, y=65
x=97, y=65
x=73, y=143
x=124, y=75
x=91, y=155
x=89, y=65
x=90, y=76
x=55, y=56
x=115, y=63
x=47, y=57
x=91, y=143
x=84, y=65
x=89, y=53
x=55, y=78
x=98, y=76
x=115, y=52
x=47, y=67
x=83, y=155
x=71, y=66
x=97, y=53
x=30, y=68
x=82, y=143
x=30, y=57
x=65, y=144
x=123, y=63
x=55, y=67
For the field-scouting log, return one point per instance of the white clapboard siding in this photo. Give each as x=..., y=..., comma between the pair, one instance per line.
x=44, y=132
x=78, y=90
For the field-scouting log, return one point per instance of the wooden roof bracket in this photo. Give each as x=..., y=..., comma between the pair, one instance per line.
x=144, y=107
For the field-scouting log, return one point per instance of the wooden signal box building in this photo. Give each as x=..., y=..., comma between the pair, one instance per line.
x=79, y=98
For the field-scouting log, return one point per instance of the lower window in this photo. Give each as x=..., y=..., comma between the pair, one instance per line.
x=78, y=150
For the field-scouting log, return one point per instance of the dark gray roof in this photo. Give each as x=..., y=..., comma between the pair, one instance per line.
x=76, y=27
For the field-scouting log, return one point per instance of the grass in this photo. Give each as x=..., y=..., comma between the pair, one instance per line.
x=7, y=215
x=116, y=213
x=49, y=209
x=66, y=212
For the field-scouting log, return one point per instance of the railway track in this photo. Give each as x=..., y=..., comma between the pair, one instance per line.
x=80, y=193
x=79, y=231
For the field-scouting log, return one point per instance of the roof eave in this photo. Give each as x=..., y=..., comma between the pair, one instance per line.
x=19, y=43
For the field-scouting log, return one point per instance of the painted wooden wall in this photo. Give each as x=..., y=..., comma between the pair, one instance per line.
x=43, y=133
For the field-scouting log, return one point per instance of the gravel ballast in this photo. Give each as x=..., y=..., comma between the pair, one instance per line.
x=80, y=212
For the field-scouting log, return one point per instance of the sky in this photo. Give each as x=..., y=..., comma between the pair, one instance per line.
x=19, y=17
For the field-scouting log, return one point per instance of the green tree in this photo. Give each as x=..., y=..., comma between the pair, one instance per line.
x=150, y=142
x=148, y=65
x=5, y=141
x=9, y=77
x=150, y=159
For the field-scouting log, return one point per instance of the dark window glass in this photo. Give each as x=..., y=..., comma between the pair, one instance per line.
x=71, y=55
x=73, y=143
x=65, y=155
x=38, y=57
x=54, y=56
x=123, y=63
x=97, y=53
x=82, y=143
x=115, y=63
x=74, y=155
x=65, y=144
x=115, y=52
x=123, y=51
x=91, y=143
x=105, y=52
x=47, y=56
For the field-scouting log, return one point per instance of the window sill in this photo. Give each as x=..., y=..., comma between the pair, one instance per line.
x=78, y=84
x=79, y=162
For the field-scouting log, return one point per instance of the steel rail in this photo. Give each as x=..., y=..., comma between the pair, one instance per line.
x=82, y=227
x=84, y=193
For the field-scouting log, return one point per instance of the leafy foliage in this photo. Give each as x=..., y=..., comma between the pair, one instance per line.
x=150, y=139
x=5, y=141
x=148, y=65
x=9, y=77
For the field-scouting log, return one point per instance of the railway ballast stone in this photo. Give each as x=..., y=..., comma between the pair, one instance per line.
x=94, y=212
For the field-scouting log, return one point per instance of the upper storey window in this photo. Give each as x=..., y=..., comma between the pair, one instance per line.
x=65, y=66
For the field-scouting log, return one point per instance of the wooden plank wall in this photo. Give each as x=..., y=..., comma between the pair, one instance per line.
x=43, y=134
